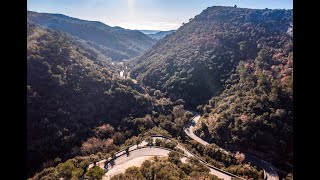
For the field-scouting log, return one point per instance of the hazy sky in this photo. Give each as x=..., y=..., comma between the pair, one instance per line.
x=144, y=14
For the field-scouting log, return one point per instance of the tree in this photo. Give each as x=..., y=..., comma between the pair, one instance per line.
x=207, y=108
x=68, y=170
x=186, y=167
x=170, y=144
x=212, y=103
x=46, y=174
x=178, y=111
x=77, y=173
x=180, y=102
x=84, y=164
x=94, y=173
x=94, y=145
x=174, y=157
x=147, y=170
x=240, y=157
x=65, y=169
x=136, y=140
x=147, y=121
x=149, y=140
x=244, y=170
x=188, y=115
x=167, y=170
x=113, y=155
x=90, y=146
x=200, y=108
x=57, y=160
x=157, y=94
x=118, y=138
x=120, y=176
x=158, y=142
x=134, y=173
x=204, y=128
x=104, y=131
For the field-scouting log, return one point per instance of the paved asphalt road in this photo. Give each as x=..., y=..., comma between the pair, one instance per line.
x=189, y=131
x=138, y=155
x=118, y=165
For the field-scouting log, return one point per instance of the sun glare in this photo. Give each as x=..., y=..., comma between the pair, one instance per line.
x=131, y=4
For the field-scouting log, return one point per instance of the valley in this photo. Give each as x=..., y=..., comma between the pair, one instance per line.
x=210, y=100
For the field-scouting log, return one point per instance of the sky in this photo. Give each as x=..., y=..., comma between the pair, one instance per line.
x=144, y=14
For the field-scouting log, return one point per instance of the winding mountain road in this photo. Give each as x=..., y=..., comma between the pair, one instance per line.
x=138, y=155
x=190, y=129
x=269, y=170
x=135, y=158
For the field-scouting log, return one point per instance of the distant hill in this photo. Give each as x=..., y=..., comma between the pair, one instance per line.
x=147, y=32
x=161, y=34
x=113, y=42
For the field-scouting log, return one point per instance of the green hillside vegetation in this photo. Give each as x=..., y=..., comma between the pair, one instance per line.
x=233, y=65
x=194, y=63
x=103, y=145
x=69, y=94
x=254, y=112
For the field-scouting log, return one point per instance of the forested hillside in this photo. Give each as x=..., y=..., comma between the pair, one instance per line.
x=255, y=111
x=233, y=65
x=241, y=59
x=113, y=42
x=69, y=94
x=194, y=62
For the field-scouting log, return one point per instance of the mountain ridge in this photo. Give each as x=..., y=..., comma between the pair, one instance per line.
x=161, y=34
x=208, y=38
x=114, y=42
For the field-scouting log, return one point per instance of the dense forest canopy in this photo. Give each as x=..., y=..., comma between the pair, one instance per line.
x=241, y=59
x=233, y=65
x=254, y=112
x=69, y=93
x=194, y=63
